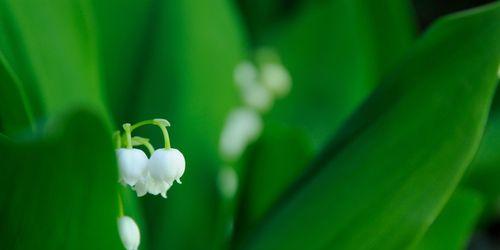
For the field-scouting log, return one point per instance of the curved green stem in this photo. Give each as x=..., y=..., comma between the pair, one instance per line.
x=140, y=124
x=166, y=138
x=161, y=123
x=150, y=148
x=128, y=134
x=138, y=141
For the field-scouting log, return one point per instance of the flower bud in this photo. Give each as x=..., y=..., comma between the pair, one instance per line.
x=132, y=164
x=129, y=233
x=167, y=165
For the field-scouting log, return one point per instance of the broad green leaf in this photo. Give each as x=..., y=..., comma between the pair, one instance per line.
x=387, y=179
x=59, y=189
x=189, y=82
x=280, y=154
x=454, y=226
x=51, y=48
x=484, y=172
x=126, y=34
x=16, y=112
x=336, y=51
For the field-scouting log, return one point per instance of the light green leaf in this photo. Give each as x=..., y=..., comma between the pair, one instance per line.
x=59, y=191
x=454, y=226
x=51, y=48
x=386, y=180
x=16, y=113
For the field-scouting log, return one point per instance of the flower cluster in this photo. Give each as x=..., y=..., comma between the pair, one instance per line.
x=154, y=175
x=260, y=81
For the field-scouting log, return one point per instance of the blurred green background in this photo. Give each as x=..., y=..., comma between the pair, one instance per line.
x=389, y=138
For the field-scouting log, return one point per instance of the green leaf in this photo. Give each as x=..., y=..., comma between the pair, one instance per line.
x=484, y=172
x=190, y=83
x=336, y=51
x=454, y=226
x=388, y=177
x=52, y=50
x=16, y=113
x=59, y=191
x=274, y=163
x=126, y=35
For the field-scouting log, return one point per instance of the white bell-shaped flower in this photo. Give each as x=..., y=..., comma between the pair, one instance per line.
x=129, y=233
x=132, y=165
x=149, y=185
x=276, y=78
x=167, y=165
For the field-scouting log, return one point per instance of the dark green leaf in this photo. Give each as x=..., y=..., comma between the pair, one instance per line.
x=276, y=160
x=336, y=51
x=60, y=191
x=396, y=170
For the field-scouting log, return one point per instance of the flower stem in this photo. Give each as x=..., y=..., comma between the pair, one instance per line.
x=128, y=134
x=161, y=123
x=140, y=124
x=166, y=138
x=138, y=141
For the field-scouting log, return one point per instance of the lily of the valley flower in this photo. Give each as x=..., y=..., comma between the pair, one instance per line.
x=129, y=233
x=132, y=165
x=155, y=175
x=167, y=165
x=147, y=184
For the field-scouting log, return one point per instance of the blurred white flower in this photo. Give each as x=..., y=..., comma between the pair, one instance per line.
x=132, y=165
x=129, y=233
x=227, y=181
x=257, y=96
x=243, y=126
x=276, y=78
x=254, y=94
x=167, y=165
x=245, y=73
